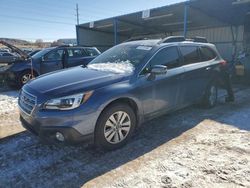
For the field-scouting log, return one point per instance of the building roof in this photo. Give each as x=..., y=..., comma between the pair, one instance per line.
x=170, y=18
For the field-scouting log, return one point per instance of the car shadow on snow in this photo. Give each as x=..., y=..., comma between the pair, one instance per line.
x=55, y=165
x=33, y=164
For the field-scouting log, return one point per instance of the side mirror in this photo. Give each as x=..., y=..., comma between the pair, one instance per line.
x=42, y=58
x=158, y=70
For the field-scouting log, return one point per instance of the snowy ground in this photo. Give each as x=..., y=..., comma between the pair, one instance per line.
x=9, y=117
x=193, y=147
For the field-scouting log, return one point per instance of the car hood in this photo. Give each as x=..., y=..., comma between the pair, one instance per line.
x=22, y=54
x=73, y=80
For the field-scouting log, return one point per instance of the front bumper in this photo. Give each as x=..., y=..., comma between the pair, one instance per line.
x=8, y=77
x=76, y=126
x=47, y=134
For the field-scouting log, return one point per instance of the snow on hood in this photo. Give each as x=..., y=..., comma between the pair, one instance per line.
x=121, y=67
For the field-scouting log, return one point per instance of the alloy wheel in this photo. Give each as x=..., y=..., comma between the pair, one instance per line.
x=117, y=127
x=26, y=77
x=213, y=95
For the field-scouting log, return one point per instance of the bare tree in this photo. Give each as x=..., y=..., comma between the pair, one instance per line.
x=39, y=43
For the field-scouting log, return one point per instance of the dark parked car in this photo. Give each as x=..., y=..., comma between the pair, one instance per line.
x=45, y=61
x=6, y=57
x=3, y=50
x=34, y=52
x=120, y=89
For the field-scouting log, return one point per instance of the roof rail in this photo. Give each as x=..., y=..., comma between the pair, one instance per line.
x=61, y=46
x=200, y=39
x=136, y=38
x=182, y=39
x=173, y=39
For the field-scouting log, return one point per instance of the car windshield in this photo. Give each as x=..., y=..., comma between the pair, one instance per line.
x=120, y=59
x=41, y=53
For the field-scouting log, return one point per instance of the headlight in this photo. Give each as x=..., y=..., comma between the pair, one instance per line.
x=5, y=67
x=68, y=102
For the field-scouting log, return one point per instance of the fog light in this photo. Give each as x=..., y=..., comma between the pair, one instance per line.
x=59, y=136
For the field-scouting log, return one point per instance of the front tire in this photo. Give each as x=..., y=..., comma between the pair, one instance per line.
x=115, y=126
x=211, y=95
x=24, y=77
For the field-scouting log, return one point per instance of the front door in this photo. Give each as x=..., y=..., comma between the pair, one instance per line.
x=52, y=61
x=161, y=94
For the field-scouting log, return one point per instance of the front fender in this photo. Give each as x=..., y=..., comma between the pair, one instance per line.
x=19, y=67
x=113, y=93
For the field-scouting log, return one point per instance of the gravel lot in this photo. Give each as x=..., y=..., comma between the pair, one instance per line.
x=193, y=147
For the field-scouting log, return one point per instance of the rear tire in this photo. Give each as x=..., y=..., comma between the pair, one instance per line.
x=211, y=96
x=115, y=127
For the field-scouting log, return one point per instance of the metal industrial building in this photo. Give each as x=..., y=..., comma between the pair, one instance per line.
x=226, y=23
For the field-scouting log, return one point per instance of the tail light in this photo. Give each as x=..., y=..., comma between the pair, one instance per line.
x=223, y=63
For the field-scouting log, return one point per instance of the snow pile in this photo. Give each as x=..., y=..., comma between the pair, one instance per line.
x=121, y=67
x=8, y=102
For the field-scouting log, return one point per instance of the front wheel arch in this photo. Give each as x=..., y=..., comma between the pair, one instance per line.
x=124, y=100
x=99, y=135
x=21, y=73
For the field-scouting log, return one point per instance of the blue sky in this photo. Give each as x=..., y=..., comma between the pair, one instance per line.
x=53, y=19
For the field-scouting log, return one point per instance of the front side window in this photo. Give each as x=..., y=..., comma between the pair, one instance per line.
x=167, y=56
x=190, y=54
x=207, y=54
x=55, y=55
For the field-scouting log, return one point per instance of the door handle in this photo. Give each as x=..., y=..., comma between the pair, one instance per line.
x=208, y=68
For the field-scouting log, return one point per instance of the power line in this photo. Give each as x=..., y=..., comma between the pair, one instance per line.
x=46, y=6
x=83, y=10
x=34, y=26
x=37, y=20
x=59, y=6
x=24, y=10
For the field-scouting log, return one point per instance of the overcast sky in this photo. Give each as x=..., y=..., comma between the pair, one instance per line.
x=53, y=19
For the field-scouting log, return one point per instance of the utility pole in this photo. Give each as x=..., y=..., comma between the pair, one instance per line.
x=77, y=14
x=77, y=24
x=185, y=29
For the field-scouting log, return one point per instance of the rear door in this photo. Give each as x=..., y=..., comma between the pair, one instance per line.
x=52, y=61
x=196, y=74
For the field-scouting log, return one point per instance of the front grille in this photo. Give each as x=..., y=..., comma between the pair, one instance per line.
x=27, y=102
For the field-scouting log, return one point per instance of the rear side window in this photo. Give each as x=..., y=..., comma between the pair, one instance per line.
x=207, y=54
x=91, y=52
x=190, y=54
x=74, y=53
x=167, y=56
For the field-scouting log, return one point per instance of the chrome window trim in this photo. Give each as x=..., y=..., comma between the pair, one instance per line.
x=162, y=48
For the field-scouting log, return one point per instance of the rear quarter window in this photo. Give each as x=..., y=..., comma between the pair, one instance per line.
x=207, y=54
x=91, y=52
